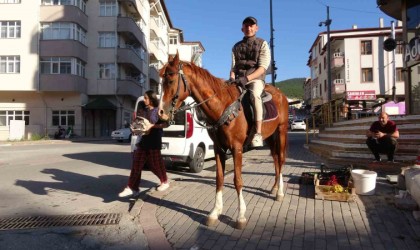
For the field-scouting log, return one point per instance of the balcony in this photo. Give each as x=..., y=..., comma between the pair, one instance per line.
x=337, y=60
x=129, y=86
x=129, y=56
x=63, y=82
x=63, y=48
x=127, y=26
x=154, y=74
x=338, y=86
x=63, y=13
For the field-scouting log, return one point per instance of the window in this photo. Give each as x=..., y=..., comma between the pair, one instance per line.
x=63, y=118
x=56, y=65
x=107, y=40
x=10, y=29
x=325, y=85
x=9, y=1
x=107, y=71
x=81, y=4
x=320, y=89
x=399, y=75
x=9, y=64
x=366, y=47
x=367, y=75
x=62, y=65
x=7, y=115
x=108, y=8
x=319, y=68
x=173, y=40
x=399, y=49
x=63, y=30
x=196, y=50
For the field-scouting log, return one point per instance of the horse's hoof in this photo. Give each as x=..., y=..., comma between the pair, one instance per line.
x=274, y=190
x=240, y=224
x=279, y=197
x=211, y=222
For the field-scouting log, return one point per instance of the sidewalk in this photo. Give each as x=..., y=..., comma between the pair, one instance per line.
x=298, y=222
x=175, y=219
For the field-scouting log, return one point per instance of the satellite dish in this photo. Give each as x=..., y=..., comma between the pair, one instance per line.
x=390, y=44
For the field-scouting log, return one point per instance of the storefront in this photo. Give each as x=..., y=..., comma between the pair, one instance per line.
x=408, y=11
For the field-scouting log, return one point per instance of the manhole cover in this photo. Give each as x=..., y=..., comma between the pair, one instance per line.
x=59, y=221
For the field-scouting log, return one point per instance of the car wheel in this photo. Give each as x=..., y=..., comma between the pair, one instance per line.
x=197, y=163
x=291, y=128
x=120, y=140
x=129, y=138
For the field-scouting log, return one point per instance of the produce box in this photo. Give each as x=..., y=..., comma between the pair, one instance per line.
x=323, y=192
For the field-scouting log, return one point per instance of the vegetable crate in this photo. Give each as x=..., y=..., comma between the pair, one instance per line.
x=326, y=192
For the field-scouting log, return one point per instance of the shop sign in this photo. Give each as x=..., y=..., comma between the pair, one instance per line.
x=412, y=50
x=361, y=95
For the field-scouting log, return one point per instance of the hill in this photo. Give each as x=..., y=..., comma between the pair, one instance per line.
x=293, y=88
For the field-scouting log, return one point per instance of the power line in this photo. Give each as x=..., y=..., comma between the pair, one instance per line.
x=347, y=9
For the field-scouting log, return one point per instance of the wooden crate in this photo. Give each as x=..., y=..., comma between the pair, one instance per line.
x=322, y=193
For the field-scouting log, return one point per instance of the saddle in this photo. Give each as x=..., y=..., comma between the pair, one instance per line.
x=269, y=109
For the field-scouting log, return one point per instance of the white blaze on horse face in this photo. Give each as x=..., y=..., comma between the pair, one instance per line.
x=242, y=207
x=218, y=206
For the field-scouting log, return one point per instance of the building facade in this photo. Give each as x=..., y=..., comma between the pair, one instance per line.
x=362, y=71
x=78, y=63
x=409, y=13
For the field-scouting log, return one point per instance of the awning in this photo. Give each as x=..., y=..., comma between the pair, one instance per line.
x=100, y=103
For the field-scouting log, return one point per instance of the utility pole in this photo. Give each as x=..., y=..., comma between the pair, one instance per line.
x=273, y=63
x=329, y=83
x=394, y=73
x=327, y=23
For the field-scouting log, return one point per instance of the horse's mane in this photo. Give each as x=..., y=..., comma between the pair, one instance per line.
x=201, y=74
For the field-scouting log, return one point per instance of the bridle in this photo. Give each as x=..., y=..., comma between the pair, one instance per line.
x=181, y=76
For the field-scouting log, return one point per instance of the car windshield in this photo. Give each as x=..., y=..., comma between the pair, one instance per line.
x=298, y=121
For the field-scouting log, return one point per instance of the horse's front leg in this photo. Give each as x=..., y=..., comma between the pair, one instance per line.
x=237, y=162
x=218, y=206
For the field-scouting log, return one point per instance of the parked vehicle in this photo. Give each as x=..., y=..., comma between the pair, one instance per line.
x=298, y=124
x=185, y=142
x=121, y=134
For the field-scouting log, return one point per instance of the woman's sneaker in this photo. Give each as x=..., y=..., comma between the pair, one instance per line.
x=163, y=187
x=128, y=192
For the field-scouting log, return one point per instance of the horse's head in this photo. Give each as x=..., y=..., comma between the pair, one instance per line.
x=174, y=87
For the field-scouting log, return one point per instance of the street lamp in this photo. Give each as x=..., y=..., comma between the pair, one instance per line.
x=273, y=63
x=327, y=23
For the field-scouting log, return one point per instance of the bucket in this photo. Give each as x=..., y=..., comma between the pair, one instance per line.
x=364, y=181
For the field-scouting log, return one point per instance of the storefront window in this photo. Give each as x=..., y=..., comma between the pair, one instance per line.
x=411, y=57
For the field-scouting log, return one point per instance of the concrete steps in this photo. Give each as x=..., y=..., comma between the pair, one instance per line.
x=344, y=143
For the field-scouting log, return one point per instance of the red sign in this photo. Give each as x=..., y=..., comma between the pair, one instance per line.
x=361, y=95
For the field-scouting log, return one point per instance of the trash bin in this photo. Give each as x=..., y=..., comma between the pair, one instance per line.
x=364, y=181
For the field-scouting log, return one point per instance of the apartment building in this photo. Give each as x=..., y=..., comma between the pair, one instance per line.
x=362, y=72
x=78, y=63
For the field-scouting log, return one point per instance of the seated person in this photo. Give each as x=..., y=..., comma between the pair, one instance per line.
x=382, y=137
x=60, y=133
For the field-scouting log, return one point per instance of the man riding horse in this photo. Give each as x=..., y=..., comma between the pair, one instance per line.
x=250, y=60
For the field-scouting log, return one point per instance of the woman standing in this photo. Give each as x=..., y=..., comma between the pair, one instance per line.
x=148, y=149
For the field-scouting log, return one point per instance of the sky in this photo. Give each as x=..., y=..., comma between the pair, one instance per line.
x=217, y=25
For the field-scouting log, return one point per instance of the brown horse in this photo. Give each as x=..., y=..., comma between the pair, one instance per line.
x=228, y=131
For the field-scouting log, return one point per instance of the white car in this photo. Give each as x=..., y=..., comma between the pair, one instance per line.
x=122, y=134
x=186, y=141
x=298, y=124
